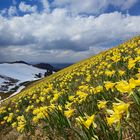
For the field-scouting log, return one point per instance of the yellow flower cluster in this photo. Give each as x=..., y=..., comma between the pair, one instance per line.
x=40, y=113
x=9, y=118
x=21, y=122
x=88, y=97
x=118, y=110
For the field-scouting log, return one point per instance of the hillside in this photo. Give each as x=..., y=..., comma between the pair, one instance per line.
x=95, y=99
x=15, y=76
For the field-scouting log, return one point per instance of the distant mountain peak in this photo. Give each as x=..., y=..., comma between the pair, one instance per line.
x=20, y=61
x=46, y=66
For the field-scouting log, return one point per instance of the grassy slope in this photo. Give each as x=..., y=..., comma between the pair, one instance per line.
x=87, y=100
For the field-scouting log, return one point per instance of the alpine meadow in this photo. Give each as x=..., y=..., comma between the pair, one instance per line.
x=94, y=99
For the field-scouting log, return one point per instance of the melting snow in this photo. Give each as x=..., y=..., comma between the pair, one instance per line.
x=22, y=72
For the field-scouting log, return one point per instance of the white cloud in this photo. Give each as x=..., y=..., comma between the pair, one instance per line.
x=129, y=3
x=92, y=6
x=60, y=37
x=46, y=6
x=78, y=6
x=123, y=4
x=12, y=11
x=23, y=7
x=3, y=11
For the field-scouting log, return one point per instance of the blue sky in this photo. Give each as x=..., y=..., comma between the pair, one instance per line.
x=63, y=31
x=134, y=10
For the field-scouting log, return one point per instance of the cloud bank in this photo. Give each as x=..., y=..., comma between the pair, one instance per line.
x=63, y=35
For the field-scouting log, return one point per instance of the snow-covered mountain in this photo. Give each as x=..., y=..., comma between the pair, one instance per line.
x=13, y=74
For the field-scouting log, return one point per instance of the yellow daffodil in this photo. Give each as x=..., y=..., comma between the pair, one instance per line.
x=109, y=85
x=88, y=122
x=131, y=63
x=102, y=104
x=123, y=87
x=69, y=113
x=116, y=114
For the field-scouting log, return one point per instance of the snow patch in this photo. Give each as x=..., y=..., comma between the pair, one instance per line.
x=13, y=74
x=19, y=90
x=22, y=72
